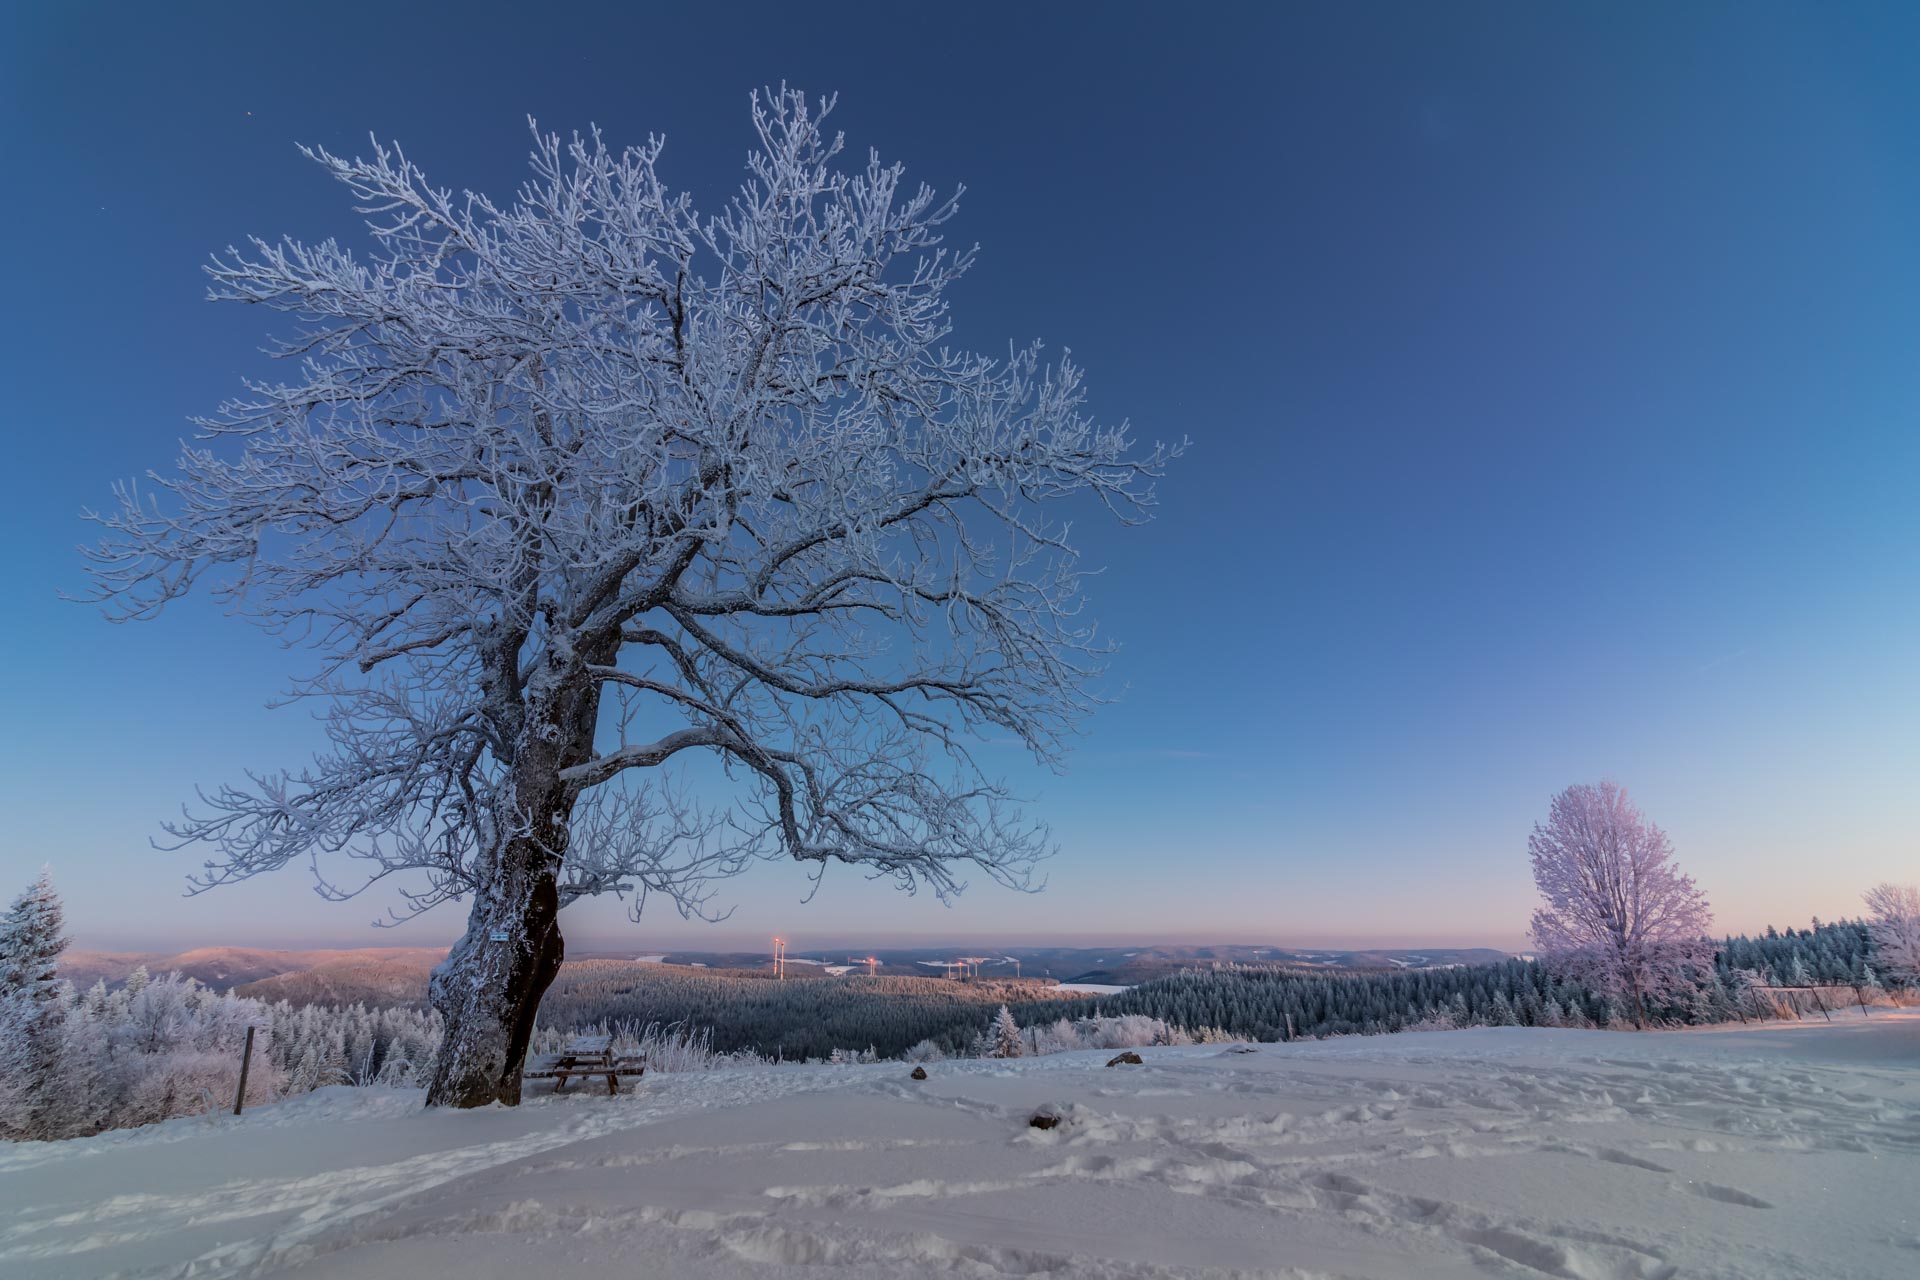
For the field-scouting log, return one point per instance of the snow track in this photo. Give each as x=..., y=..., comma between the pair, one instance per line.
x=1781, y=1151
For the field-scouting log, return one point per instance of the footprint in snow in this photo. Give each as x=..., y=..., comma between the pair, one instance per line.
x=1728, y=1195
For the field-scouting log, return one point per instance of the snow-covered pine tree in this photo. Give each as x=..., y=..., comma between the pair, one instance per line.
x=360, y=1052
x=32, y=1015
x=1701, y=1007
x=1006, y=1036
x=305, y=1076
x=333, y=1061
x=86, y=1065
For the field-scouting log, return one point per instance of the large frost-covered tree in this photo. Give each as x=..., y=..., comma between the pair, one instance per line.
x=575, y=487
x=1895, y=929
x=1617, y=914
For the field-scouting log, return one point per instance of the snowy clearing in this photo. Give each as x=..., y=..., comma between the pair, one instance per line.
x=1785, y=1150
x=1091, y=988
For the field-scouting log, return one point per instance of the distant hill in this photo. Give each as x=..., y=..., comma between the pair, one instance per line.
x=1129, y=967
x=1118, y=966
x=228, y=968
x=398, y=975
x=384, y=976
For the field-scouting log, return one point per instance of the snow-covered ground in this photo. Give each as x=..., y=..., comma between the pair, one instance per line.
x=1787, y=1150
x=1091, y=988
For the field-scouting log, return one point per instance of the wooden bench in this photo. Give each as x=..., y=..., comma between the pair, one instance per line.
x=584, y=1056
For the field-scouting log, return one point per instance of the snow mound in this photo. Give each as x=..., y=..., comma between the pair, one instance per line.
x=1774, y=1151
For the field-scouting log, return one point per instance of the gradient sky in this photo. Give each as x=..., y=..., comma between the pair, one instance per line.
x=1551, y=373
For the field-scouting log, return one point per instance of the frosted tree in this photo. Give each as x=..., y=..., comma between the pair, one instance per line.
x=396, y=1072
x=1006, y=1036
x=574, y=491
x=1617, y=914
x=32, y=1015
x=1894, y=928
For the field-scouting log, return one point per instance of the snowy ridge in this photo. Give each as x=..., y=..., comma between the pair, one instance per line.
x=1775, y=1151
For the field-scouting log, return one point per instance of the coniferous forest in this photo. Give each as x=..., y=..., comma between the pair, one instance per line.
x=813, y=1017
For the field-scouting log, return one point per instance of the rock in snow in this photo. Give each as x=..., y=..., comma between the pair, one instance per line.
x=1755, y=1153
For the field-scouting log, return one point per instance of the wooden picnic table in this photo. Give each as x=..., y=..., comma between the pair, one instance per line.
x=584, y=1056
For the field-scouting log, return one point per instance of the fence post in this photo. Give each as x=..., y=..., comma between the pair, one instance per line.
x=246, y=1060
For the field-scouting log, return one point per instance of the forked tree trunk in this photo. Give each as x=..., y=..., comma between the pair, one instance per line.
x=488, y=988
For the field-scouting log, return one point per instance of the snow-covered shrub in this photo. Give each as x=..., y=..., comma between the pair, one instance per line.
x=1005, y=1039
x=1436, y=1021
x=925, y=1051
x=852, y=1057
x=674, y=1047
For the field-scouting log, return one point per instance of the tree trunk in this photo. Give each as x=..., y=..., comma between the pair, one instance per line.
x=488, y=988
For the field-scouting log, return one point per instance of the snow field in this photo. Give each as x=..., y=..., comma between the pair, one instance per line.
x=1784, y=1150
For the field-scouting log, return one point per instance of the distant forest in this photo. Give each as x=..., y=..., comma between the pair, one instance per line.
x=799, y=1018
x=1274, y=1004
x=812, y=1017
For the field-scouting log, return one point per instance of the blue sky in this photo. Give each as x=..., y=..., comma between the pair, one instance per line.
x=1550, y=373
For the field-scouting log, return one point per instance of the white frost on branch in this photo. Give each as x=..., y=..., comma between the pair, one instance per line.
x=589, y=441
